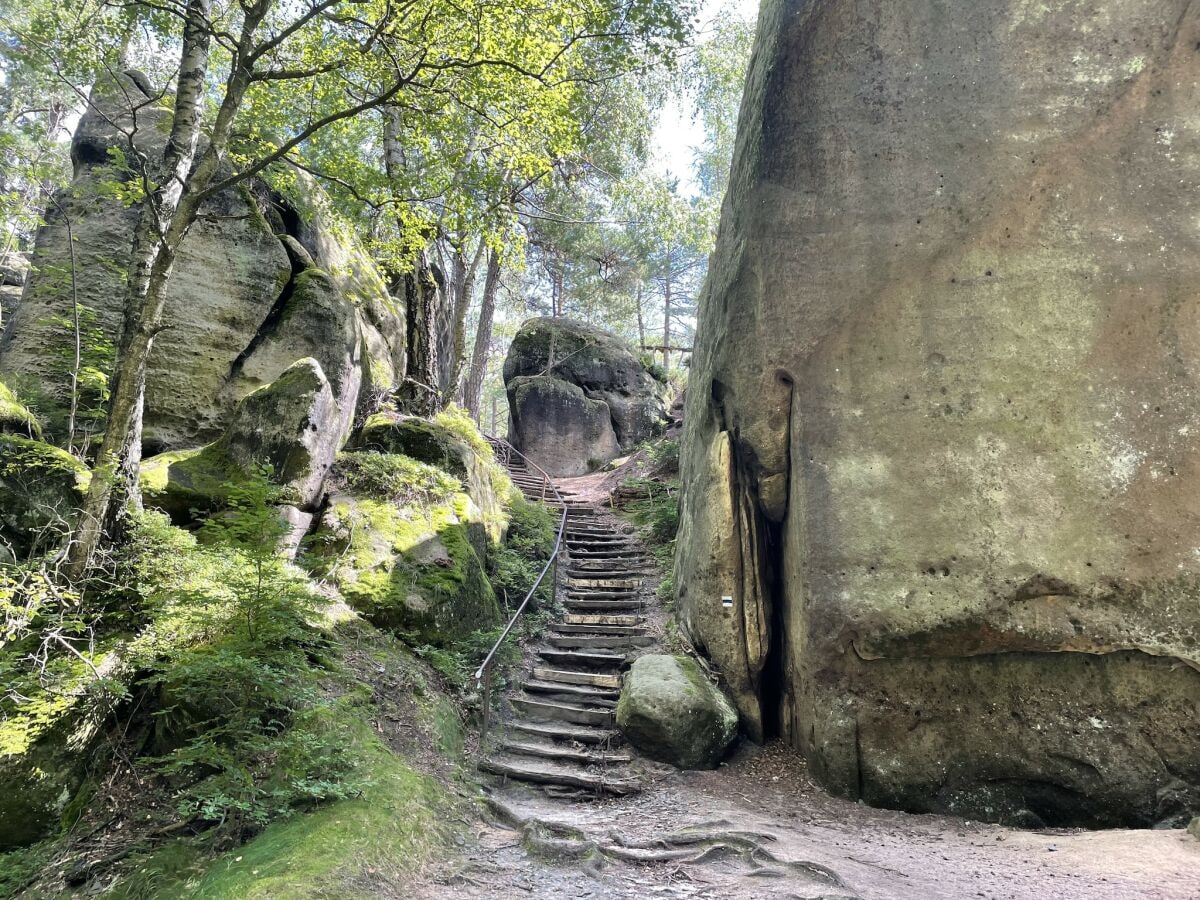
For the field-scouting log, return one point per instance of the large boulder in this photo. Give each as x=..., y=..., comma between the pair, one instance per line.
x=292, y=426
x=559, y=427
x=578, y=396
x=943, y=407
x=671, y=712
x=261, y=280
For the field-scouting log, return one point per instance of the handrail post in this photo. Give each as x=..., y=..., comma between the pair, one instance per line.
x=484, y=676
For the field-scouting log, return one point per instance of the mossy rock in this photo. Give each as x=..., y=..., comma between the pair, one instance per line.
x=420, y=439
x=672, y=713
x=451, y=442
x=15, y=418
x=279, y=426
x=413, y=569
x=183, y=482
x=41, y=488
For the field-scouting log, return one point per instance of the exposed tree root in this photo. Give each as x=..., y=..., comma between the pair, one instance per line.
x=695, y=845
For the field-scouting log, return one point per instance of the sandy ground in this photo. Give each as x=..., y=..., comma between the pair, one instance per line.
x=828, y=848
x=876, y=854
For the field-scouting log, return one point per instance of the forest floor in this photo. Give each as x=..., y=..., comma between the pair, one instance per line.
x=774, y=833
x=830, y=848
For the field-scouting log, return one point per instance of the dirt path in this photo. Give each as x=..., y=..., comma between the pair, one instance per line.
x=814, y=845
x=875, y=854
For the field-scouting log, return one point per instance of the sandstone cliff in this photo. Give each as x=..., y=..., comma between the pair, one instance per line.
x=264, y=278
x=943, y=411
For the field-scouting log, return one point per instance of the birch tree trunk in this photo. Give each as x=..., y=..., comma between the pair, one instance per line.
x=161, y=226
x=483, y=336
x=174, y=194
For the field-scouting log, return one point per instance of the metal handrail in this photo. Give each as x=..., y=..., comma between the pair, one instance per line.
x=482, y=679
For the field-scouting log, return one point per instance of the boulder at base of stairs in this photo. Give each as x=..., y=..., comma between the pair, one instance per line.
x=672, y=713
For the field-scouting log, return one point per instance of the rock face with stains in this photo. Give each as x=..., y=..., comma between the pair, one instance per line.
x=264, y=278
x=578, y=397
x=945, y=407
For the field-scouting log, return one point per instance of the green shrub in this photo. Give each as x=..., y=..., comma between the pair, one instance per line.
x=514, y=567
x=242, y=712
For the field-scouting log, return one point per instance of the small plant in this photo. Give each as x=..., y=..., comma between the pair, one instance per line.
x=243, y=717
x=513, y=568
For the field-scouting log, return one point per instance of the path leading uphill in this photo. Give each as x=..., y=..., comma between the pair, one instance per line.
x=557, y=729
x=575, y=814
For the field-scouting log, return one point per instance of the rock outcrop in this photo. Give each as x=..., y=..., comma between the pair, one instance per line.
x=944, y=407
x=578, y=397
x=284, y=427
x=405, y=541
x=264, y=278
x=671, y=712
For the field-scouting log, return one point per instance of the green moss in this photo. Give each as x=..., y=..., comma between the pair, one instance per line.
x=344, y=849
x=41, y=487
x=15, y=417
x=180, y=481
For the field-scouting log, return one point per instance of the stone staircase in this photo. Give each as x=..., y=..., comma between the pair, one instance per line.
x=558, y=729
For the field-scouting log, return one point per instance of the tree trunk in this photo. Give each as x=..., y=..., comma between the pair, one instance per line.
x=483, y=336
x=462, y=305
x=640, y=322
x=419, y=394
x=162, y=224
x=667, y=325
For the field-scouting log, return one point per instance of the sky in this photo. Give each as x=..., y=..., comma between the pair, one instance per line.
x=678, y=129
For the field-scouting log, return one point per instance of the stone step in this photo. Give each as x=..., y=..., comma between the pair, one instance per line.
x=593, y=619
x=555, y=751
x=583, y=660
x=582, y=693
x=598, y=629
x=539, y=771
x=566, y=712
x=564, y=731
x=597, y=642
x=593, y=678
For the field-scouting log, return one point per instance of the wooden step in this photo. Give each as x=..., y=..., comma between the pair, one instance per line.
x=538, y=771
x=597, y=629
x=583, y=660
x=573, y=693
x=564, y=731
x=597, y=642
x=593, y=678
x=586, y=619
x=579, y=581
x=557, y=751
x=603, y=606
x=581, y=594
x=566, y=712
